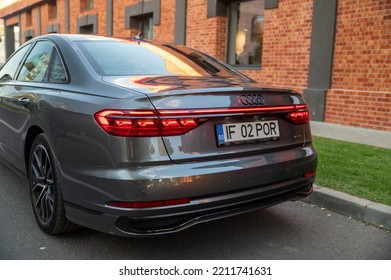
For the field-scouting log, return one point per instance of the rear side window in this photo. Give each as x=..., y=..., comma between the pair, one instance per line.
x=57, y=72
x=11, y=66
x=37, y=63
x=43, y=64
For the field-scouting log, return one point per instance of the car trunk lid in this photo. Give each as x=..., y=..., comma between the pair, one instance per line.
x=233, y=117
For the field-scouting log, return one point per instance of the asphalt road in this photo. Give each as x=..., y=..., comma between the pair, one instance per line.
x=293, y=230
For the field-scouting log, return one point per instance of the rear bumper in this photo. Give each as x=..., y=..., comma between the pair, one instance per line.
x=149, y=222
x=167, y=224
x=216, y=190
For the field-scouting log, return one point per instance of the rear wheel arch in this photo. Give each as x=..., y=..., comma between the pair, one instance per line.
x=32, y=133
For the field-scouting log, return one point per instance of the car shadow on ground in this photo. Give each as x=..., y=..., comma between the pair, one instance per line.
x=221, y=239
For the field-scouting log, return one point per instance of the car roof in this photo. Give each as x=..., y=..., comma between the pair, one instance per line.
x=84, y=37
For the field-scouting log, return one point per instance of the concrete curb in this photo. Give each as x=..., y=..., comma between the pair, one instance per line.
x=360, y=209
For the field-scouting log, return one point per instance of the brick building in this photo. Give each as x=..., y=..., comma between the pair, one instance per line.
x=335, y=52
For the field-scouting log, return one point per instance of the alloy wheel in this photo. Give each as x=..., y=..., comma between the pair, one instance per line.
x=42, y=187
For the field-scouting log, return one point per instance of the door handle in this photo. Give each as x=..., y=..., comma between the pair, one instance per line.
x=24, y=101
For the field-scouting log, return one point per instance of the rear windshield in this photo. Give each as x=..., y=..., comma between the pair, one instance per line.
x=123, y=58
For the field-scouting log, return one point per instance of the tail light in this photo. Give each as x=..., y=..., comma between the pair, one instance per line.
x=150, y=123
x=309, y=174
x=299, y=117
x=141, y=123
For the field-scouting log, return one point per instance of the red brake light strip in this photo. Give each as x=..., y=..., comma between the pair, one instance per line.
x=170, y=122
x=217, y=111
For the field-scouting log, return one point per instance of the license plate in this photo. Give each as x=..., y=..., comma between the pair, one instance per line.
x=235, y=133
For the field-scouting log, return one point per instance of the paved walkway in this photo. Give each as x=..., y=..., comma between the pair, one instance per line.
x=361, y=209
x=352, y=134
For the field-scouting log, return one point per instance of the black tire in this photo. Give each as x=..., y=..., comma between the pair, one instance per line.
x=45, y=190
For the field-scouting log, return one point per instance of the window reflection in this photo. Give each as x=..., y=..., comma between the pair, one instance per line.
x=131, y=58
x=36, y=64
x=246, y=33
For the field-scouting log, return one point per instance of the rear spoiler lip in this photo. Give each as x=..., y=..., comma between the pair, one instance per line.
x=254, y=110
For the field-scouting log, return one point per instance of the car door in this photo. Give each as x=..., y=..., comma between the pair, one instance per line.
x=19, y=100
x=7, y=109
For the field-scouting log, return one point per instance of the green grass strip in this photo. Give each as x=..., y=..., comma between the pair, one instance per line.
x=360, y=170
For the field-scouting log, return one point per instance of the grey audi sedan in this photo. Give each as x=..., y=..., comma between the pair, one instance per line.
x=135, y=138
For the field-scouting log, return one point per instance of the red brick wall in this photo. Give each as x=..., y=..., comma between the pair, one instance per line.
x=367, y=109
x=286, y=45
x=119, y=18
x=16, y=6
x=44, y=18
x=46, y=21
x=76, y=13
x=205, y=34
x=361, y=83
x=165, y=32
x=60, y=16
x=24, y=26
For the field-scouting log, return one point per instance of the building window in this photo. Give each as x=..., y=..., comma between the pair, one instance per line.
x=86, y=5
x=16, y=31
x=52, y=9
x=28, y=35
x=245, y=36
x=142, y=17
x=53, y=28
x=88, y=24
x=146, y=26
x=87, y=29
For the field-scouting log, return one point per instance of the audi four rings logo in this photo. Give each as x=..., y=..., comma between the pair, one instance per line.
x=251, y=99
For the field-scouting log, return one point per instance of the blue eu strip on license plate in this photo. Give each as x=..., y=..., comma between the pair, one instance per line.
x=220, y=134
x=247, y=131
